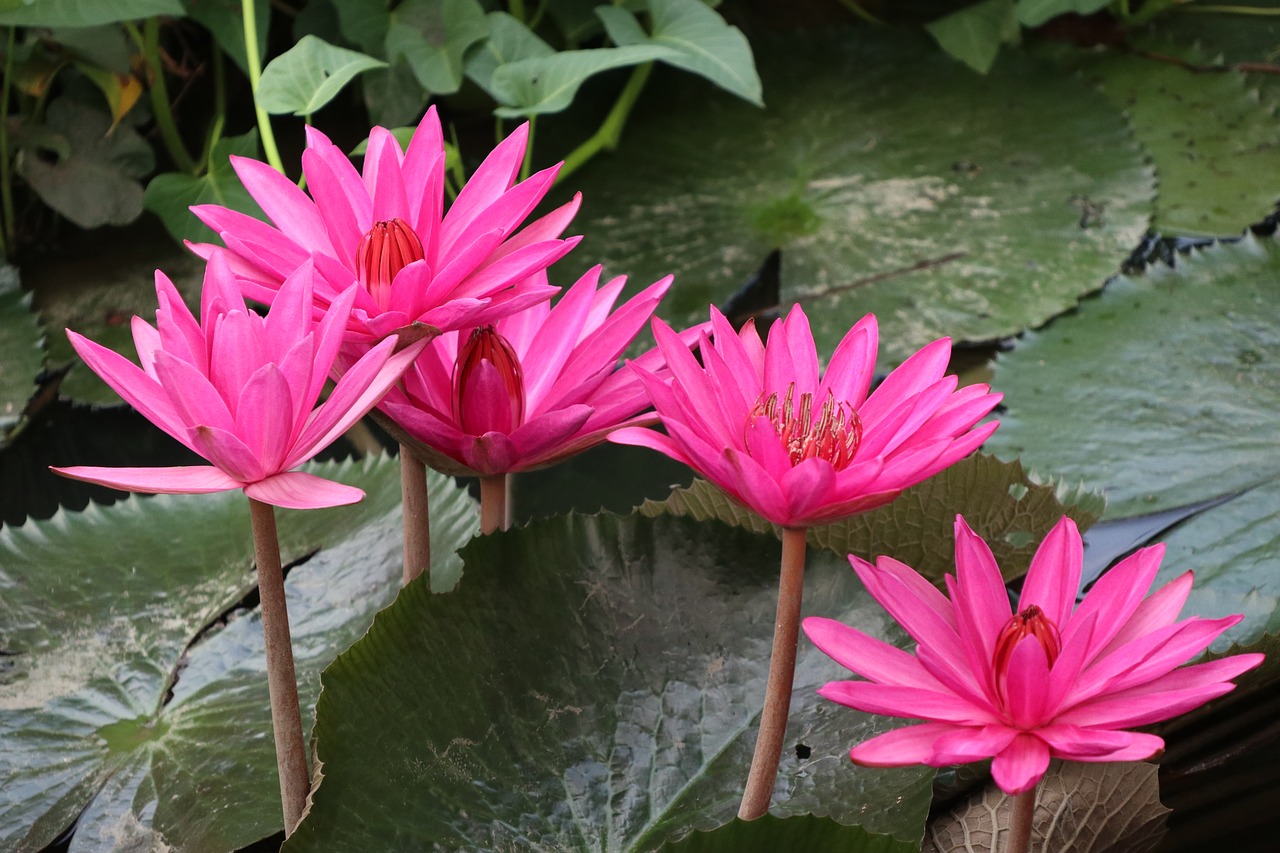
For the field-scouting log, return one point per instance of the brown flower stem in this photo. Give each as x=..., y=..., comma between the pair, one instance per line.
x=417, y=520
x=286, y=719
x=782, y=668
x=510, y=492
x=1021, y=817
x=493, y=502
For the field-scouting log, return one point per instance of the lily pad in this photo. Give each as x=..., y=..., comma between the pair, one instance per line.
x=804, y=832
x=594, y=683
x=21, y=349
x=1005, y=506
x=1163, y=390
x=133, y=686
x=896, y=182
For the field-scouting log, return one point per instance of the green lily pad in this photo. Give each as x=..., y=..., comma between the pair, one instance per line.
x=21, y=349
x=130, y=687
x=1004, y=505
x=594, y=683
x=803, y=832
x=895, y=182
x=1163, y=390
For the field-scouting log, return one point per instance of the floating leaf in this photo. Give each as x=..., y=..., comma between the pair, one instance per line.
x=1002, y=505
x=170, y=196
x=593, y=683
x=769, y=834
x=107, y=705
x=1162, y=390
x=21, y=350
x=308, y=75
x=945, y=202
x=85, y=13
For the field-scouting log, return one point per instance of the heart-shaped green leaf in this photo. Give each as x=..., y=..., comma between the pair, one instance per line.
x=308, y=75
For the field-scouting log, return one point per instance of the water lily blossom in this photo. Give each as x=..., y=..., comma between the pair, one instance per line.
x=1051, y=680
x=387, y=229
x=802, y=447
x=241, y=390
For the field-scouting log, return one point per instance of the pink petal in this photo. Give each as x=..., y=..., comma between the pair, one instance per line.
x=492, y=453
x=1019, y=767
x=871, y=658
x=852, y=366
x=1116, y=595
x=382, y=177
x=917, y=373
x=914, y=702
x=1054, y=577
x=1027, y=684
x=755, y=487
x=184, y=480
x=981, y=601
x=287, y=206
x=1156, y=611
x=265, y=418
x=543, y=436
x=228, y=452
x=638, y=437
x=1081, y=744
x=298, y=490
x=970, y=743
x=137, y=389
x=334, y=203
x=493, y=178
x=902, y=747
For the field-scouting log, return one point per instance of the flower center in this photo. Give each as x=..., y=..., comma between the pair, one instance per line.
x=833, y=436
x=488, y=399
x=1030, y=622
x=388, y=247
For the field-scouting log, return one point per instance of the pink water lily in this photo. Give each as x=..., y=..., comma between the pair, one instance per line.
x=800, y=446
x=387, y=230
x=1051, y=680
x=531, y=389
x=241, y=390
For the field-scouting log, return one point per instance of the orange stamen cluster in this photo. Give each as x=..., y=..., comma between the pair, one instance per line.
x=388, y=247
x=1029, y=622
x=833, y=436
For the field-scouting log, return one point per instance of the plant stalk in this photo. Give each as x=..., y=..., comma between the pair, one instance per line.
x=610, y=131
x=493, y=503
x=286, y=718
x=9, y=232
x=149, y=44
x=1022, y=816
x=417, y=520
x=254, y=62
x=782, y=668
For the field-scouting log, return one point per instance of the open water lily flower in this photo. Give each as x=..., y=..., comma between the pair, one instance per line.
x=387, y=230
x=240, y=390
x=1051, y=680
x=800, y=446
x=531, y=389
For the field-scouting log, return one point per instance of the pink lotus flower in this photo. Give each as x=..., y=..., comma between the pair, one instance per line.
x=1051, y=680
x=531, y=389
x=388, y=231
x=240, y=390
x=800, y=448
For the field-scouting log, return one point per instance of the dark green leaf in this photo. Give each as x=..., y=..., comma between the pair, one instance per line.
x=509, y=41
x=170, y=196
x=433, y=36
x=85, y=13
x=1033, y=13
x=548, y=84
x=593, y=683
x=308, y=75
x=974, y=34
x=801, y=833
x=225, y=19
x=21, y=350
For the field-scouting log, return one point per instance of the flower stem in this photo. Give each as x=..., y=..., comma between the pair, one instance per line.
x=249, y=15
x=610, y=131
x=1022, y=816
x=417, y=521
x=782, y=668
x=493, y=503
x=286, y=719
x=149, y=43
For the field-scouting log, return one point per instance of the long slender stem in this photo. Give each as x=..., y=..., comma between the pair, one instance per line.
x=1231, y=10
x=493, y=502
x=782, y=668
x=9, y=232
x=249, y=14
x=610, y=131
x=510, y=500
x=1021, y=819
x=286, y=718
x=149, y=44
x=417, y=520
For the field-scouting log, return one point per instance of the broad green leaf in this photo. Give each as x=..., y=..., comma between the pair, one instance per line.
x=97, y=182
x=433, y=36
x=509, y=41
x=225, y=19
x=1214, y=144
x=308, y=75
x=106, y=46
x=1005, y=506
x=1033, y=13
x=801, y=833
x=85, y=13
x=1162, y=390
x=894, y=182
x=364, y=22
x=547, y=84
x=393, y=95
x=170, y=196
x=21, y=350
x=594, y=683
x=703, y=42
x=121, y=91
x=974, y=34
x=134, y=692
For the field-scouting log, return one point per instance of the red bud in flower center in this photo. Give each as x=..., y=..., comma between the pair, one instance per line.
x=488, y=388
x=1030, y=622
x=834, y=436
x=387, y=248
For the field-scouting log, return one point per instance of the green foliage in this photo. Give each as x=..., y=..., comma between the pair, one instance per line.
x=1033, y=13
x=802, y=832
x=548, y=84
x=170, y=196
x=84, y=13
x=308, y=75
x=415, y=34
x=974, y=34
x=21, y=351
x=224, y=19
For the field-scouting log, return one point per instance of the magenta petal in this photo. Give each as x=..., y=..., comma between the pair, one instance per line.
x=1019, y=767
x=489, y=454
x=299, y=490
x=971, y=743
x=912, y=702
x=1054, y=577
x=902, y=747
x=867, y=656
x=1081, y=744
x=185, y=480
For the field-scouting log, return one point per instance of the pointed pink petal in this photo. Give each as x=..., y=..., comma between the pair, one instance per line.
x=489, y=454
x=638, y=437
x=1116, y=595
x=228, y=452
x=292, y=211
x=1027, y=684
x=920, y=371
x=871, y=658
x=382, y=177
x=755, y=487
x=1054, y=577
x=298, y=490
x=265, y=417
x=981, y=601
x=334, y=203
x=546, y=435
x=1080, y=744
x=423, y=171
x=1018, y=768
x=1156, y=611
x=962, y=745
x=137, y=389
x=185, y=480
x=852, y=366
x=902, y=747
x=493, y=178
x=913, y=702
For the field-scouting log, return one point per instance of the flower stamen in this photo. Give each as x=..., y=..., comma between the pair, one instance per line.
x=1029, y=622
x=388, y=247
x=834, y=436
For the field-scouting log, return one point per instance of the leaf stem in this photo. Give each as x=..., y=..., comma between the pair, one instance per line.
x=8, y=235
x=1230, y=10
x=1021, y=817
x=417, y=519
x=249, y=14
x=782, y=668
x=286, y=718
x=493, y=503
x=527, y=166
x=610, y=132
x=158, y=90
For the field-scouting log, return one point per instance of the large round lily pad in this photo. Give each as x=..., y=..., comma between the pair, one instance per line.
x=1013, y=194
